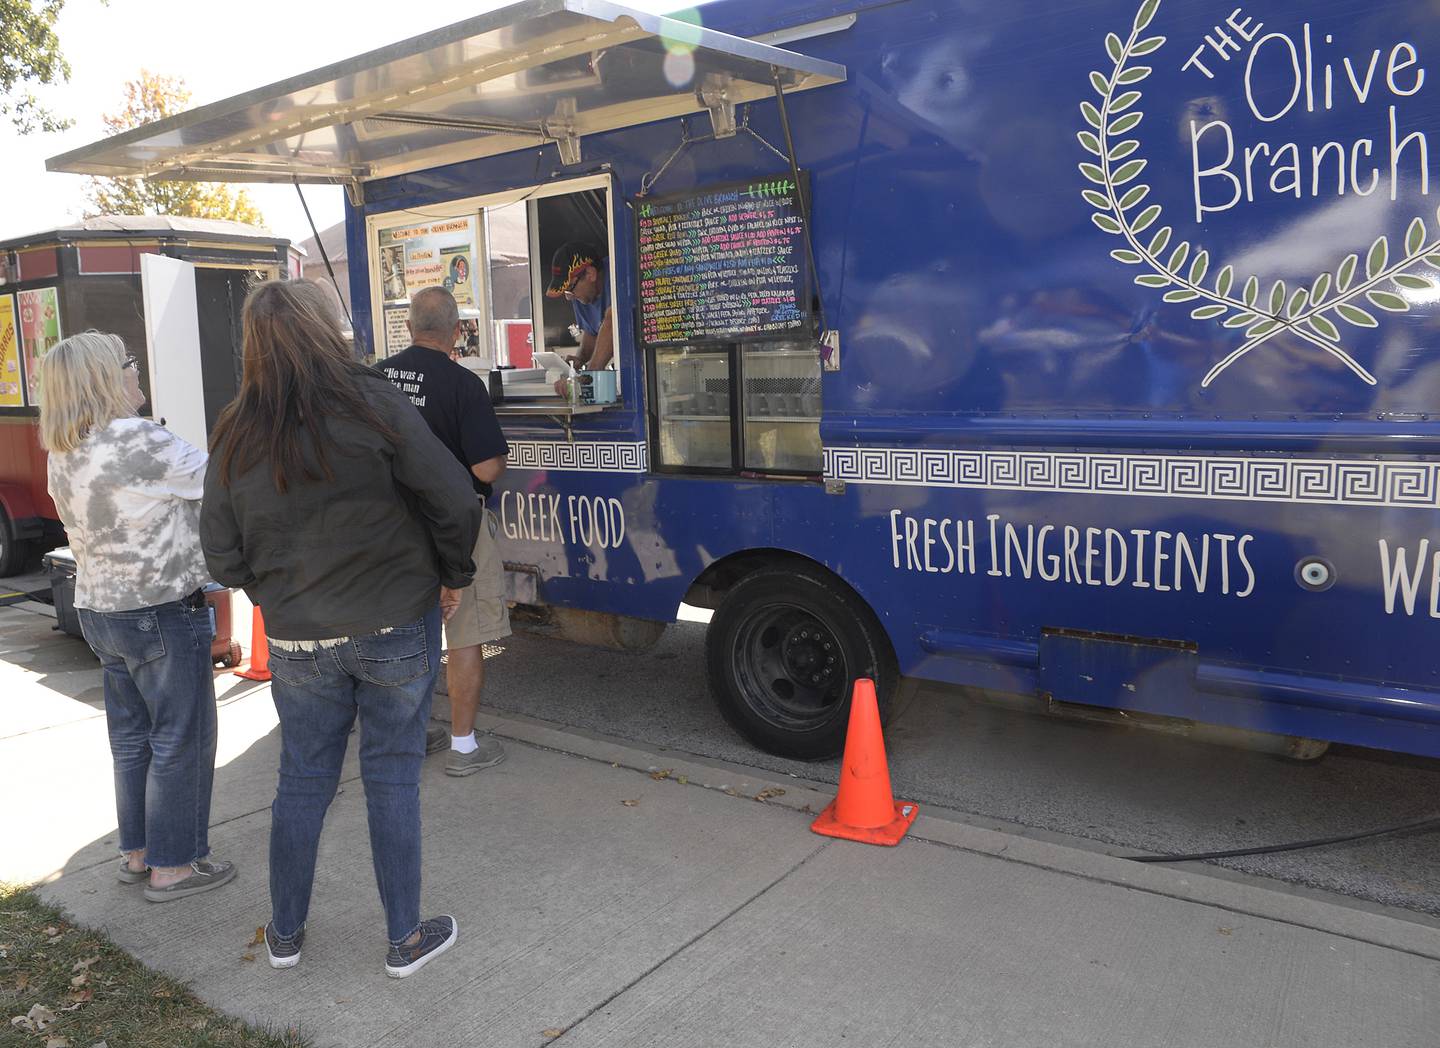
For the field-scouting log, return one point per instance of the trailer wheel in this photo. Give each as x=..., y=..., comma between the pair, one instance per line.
x=13, y=552
x=784, y=649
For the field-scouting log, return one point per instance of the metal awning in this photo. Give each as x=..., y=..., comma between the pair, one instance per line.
x=534, y=72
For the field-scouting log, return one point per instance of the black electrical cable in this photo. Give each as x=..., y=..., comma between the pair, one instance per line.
x=1270, y=849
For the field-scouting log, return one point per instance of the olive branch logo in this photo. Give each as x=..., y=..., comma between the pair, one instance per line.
x=1309, y=313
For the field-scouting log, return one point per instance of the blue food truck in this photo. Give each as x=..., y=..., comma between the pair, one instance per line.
x=1080, y=351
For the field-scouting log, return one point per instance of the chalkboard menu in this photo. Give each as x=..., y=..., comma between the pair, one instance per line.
x=723, y=263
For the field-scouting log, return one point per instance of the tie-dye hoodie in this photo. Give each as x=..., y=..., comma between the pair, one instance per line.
x=129, y=496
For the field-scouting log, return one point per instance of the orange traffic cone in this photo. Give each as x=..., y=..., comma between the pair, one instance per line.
x=259, y=666
x=864, y=809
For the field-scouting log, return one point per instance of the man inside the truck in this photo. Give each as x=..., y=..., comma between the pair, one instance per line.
x=577, y=274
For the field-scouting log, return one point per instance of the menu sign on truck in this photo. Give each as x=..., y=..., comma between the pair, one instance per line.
x=723, y=263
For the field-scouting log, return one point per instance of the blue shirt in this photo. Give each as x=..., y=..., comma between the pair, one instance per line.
x=589, y=314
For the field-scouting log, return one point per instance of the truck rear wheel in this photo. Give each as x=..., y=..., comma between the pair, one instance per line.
x=13, y=552
x=784, y=649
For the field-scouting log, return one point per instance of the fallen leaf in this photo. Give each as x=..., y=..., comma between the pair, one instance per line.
x=730, y=790
x=52, y=930
x=552, y=1032
x=57, y=1042
x=40, y=1016
x=81, y=965
x=21, y=1022
x=247, y=956
x=661, y=774
x=631, y=804
x=163, y=992
x=99, y=1044
x=766, y=794
x=1226, y=931
x=78, y=1000
x=80, y=980
x=22, y=983
x=259, y=938
x=52, y=940
x=683, y=780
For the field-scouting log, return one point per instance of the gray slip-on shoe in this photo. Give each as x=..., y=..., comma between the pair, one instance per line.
x=487, y=754
x=204, y=876
x=128, y=876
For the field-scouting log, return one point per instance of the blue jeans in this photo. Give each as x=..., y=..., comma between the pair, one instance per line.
x=387, y=679
x=160, y=710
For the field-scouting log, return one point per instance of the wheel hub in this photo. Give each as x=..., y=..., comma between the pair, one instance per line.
x=810, y=655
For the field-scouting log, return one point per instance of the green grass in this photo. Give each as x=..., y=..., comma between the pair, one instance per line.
x=98, y=992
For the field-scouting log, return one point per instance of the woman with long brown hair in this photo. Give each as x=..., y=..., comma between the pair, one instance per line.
x=331, y=503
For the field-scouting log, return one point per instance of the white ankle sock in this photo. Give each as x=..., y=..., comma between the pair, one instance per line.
x=464, y=743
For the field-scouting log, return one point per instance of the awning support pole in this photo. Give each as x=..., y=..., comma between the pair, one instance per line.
x=804, y=196
x=325, y=255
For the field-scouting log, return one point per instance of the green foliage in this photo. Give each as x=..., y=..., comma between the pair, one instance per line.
x=148, y=99
x=29, y=57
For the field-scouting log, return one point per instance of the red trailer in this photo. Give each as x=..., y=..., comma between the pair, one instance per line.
x=89, y=275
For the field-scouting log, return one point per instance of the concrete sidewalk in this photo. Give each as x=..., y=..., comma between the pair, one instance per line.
x=697, y=916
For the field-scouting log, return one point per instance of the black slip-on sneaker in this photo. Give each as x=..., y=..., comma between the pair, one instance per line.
x=437, y=935
x=284, y=951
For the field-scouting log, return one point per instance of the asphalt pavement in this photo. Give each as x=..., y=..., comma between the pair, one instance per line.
x=1125, y=790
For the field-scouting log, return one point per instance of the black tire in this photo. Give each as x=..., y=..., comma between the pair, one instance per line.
x=772, y=675
x=14, y=553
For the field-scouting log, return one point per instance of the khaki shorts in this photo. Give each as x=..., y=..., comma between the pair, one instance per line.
x=483, y=615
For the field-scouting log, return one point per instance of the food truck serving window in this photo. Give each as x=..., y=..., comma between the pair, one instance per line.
x=493, y=254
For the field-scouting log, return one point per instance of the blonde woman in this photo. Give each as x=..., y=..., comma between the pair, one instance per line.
x=128, y=492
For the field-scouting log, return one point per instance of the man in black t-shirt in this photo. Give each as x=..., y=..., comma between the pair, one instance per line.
x=456, y=404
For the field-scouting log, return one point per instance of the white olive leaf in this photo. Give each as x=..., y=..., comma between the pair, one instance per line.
x=1130, y=258
x=1133, y=196
x=1324, y=328
x=1127, y=171
x=1433, y=261
x=1089, y=141
x=1124, y=149
x=1183, y=294
x=1346, y=273
x=1091, y=114
x=1096, y=198
x=1145, y=14
x=1178, y=256
x=1377, y=257
x=1128, y=122
x=1162, y=238
x=1240, y=320
x=1265, y=326
x=1297, y=302
x=1388, y=300
x=1093, y=173
x=1320, y=289
x=1252, y=290
x=1277, y=296
x=1153, y=280
x=1133, y=75
x=1145, y=219
x=1199, y=267
x=1106, y=222
x=1414, y=283
x=1415, y=236
x=1224, y=280
x=1115, y=48
x=1100, y=84
x=1120, y=103
x=1355, y=315
x=1144, y=47
x=1207, y=312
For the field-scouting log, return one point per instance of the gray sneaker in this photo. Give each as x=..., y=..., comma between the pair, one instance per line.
x=437, y=738
x=488, y=753
x=204, y=876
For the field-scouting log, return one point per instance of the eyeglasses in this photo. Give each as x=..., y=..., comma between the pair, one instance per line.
x=130, y=364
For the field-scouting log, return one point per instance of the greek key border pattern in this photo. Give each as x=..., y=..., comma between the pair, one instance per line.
x=583, y=456
x=1296, y=480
